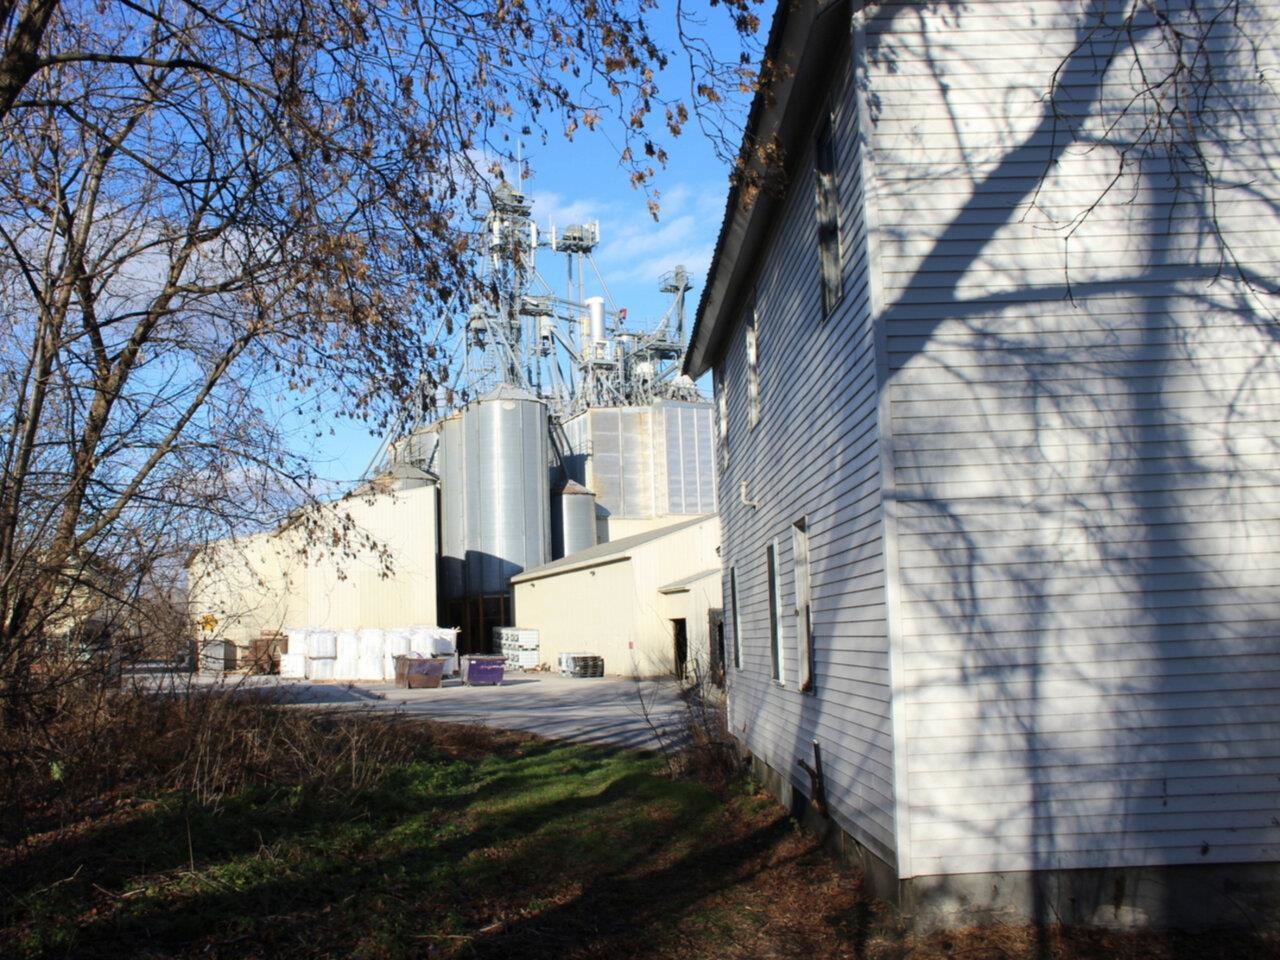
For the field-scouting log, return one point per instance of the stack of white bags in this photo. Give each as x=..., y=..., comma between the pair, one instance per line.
x=365, y=654
x=293, y=662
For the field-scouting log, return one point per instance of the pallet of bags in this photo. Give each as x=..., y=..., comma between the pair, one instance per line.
x=293, y=666
x=322, y=652
x=370, y=647
x=581, y=665
x=520, y=647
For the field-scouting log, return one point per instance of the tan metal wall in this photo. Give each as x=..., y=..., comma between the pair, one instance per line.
x=275, y=580
x=243, y=586
x=609, y=528
x=694, y=604
x=612, y=607
x=351, y=591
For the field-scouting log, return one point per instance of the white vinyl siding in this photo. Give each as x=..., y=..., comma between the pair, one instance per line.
x=814, y=454
x=1081, y=413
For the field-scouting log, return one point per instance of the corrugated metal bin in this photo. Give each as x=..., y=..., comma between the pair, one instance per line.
x=264, y=652
x=415, y=673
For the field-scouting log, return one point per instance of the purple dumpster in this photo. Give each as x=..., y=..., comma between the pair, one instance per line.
x=482, y=669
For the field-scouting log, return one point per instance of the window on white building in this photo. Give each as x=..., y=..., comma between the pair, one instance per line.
x=804, y=621
x=753, y=373
x=827, y=208
x=736, y=618
x=775, y=601
x=722, y=417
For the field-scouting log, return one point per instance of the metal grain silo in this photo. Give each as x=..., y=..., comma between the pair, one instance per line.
x=453, y=509
x=506, y=452
x=573, y=520
x=621, y=460
x=687, y=432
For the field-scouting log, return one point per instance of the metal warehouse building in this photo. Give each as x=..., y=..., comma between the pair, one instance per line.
x=649, y=604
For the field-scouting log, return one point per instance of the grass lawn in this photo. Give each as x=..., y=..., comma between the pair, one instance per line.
x=476, y=844
x=483, y=844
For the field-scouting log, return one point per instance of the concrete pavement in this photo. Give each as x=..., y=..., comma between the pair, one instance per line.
x=638, y=714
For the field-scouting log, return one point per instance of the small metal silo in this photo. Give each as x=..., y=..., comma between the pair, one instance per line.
x=573, y=520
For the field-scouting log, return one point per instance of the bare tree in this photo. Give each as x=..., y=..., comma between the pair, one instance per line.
x=205, y=206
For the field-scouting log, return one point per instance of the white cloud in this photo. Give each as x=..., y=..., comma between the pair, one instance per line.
x=553, y=209
x=635, y=250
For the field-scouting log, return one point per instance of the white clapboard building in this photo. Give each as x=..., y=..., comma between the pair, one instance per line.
x=995, y=355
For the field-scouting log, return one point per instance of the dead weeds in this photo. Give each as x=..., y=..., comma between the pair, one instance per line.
x=327, y=836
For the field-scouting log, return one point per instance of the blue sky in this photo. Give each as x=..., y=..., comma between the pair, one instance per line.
x=579, y=182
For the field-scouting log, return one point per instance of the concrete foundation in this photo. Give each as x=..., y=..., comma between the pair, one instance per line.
x=1182, y=896
x=879, y=878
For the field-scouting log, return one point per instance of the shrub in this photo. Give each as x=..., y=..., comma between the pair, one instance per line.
x=205, y=743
